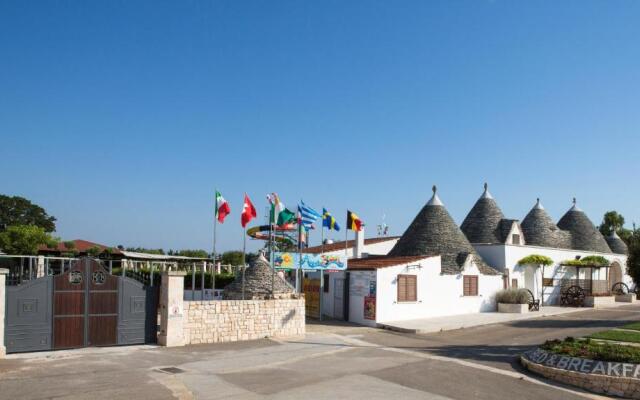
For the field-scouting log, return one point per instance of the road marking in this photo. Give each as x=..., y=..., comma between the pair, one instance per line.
x=470, y=364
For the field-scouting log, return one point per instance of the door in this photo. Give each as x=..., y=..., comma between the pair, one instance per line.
x=69, y=297
x=338, y=299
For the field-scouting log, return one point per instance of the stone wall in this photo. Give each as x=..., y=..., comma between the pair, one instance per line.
x=611, y=378
x=233, y=320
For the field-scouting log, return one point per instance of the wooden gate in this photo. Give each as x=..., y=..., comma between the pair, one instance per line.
x=84, y=306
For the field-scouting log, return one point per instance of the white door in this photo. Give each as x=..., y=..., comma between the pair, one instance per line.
x=338, y=301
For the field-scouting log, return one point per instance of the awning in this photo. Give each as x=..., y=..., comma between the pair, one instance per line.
x=158, y=257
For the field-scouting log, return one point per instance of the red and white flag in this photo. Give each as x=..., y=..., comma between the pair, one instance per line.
x=248, y=211
x=222, y=207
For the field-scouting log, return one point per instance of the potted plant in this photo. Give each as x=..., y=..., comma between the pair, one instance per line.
x=513, y=301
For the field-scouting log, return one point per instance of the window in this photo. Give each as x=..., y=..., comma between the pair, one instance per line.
x=407, y=288
x=505, y=279
x=514, y=283
x=326, y=283
x=515, y=239
x=470, y=285
x=547, y=282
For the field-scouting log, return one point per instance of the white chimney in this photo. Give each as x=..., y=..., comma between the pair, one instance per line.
x=359, y=247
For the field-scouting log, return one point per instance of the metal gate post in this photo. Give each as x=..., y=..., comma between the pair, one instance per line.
x=3, y=274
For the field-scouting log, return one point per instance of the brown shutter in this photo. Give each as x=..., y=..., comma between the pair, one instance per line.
x=407, y=288
x=470, y=285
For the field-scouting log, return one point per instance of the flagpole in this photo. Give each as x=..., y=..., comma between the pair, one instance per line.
x=273, y=267
x=299, y=252
x=244, y=257
x=213, y=271
x=322, y=237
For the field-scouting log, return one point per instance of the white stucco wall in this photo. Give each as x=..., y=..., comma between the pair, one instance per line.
x=438, y=294
x=506, y=257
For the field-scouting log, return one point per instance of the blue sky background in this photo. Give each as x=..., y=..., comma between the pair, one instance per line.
x=121, y=117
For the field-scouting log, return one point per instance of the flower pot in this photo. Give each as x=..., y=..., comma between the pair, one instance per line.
x=513, y=308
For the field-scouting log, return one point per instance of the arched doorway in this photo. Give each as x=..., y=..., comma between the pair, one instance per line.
x=615, y=274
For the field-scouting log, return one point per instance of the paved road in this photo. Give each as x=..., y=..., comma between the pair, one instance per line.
x=333, y=361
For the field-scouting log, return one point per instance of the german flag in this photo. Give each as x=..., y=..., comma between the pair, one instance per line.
x=354, y=222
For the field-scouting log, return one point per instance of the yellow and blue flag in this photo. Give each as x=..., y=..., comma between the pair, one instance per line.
x=328, y=221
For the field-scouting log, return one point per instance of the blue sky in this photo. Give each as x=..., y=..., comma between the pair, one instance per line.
x=121, y=117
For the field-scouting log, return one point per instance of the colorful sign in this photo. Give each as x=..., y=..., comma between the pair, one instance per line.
x=286, y=260
x=311, y=289
x=370, y=307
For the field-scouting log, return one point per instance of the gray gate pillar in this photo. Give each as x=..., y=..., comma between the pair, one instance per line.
x=172, y=309
x=3, y=276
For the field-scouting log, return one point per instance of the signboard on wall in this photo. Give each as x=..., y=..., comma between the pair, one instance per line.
x=370, y=307
x=311, y=289
x=314, y=262
x=360, y=283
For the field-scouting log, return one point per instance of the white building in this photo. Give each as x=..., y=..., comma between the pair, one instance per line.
x=437, y=269
x=503, y=242
x=432, y=270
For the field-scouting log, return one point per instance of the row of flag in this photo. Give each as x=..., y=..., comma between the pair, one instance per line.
x=281, y=215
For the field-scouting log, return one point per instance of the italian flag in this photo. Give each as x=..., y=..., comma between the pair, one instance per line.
x=222, y=207
x=280, y=214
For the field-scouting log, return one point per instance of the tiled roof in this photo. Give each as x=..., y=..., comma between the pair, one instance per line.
x=482, y=224
x=340, y=245
x=375, y=262
x=434, y=233
x=81, y=246
x=540, y=230
x=616, y=244
x=584, y=235
x=259, y=280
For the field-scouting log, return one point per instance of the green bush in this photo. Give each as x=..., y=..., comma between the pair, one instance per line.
x=594, y=351
x=589, y=261
x=513, y=296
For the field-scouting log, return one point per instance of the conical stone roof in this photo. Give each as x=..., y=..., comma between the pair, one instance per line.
x=584, y=235
x=482, y=224
x=434, y=233
x=257, y=283
x=616, y=244
x=540, y=230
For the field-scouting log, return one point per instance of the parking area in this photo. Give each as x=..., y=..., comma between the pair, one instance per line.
x=334, y=360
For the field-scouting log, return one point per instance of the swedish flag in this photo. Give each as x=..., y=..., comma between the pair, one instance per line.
x=328, y=221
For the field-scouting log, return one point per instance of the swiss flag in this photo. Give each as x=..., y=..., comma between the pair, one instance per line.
x=248, y=211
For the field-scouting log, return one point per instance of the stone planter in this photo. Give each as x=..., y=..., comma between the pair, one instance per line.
x=513, y=308
x=599, y=301
x=611, y=378
x=626, y=298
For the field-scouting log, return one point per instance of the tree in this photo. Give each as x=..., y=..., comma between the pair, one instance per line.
x=17, y=210
x=94, y=251
x=633, y=262
x=611, y=221
x=25, y=239
x=147, y=251
x=232, y=258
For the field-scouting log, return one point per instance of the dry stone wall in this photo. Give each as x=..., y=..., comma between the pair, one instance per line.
x=611, y=378
x=233, y=320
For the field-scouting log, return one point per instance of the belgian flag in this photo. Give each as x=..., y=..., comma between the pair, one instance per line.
x=354, y=222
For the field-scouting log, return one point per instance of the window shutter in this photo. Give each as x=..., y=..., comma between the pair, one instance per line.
x=470, y=285
x=407, y=288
